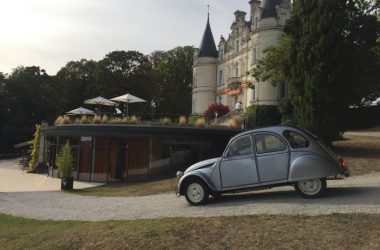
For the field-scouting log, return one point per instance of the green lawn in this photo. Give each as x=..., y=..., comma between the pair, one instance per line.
x=243, y=232
x=131, y=189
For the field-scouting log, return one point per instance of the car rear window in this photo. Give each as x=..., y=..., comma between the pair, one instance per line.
x=295, y=139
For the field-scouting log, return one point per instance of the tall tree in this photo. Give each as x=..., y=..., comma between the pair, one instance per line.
x=123, y=72
x=30, y=97
x=75, y=80
x=328, y=58
x=173, y=73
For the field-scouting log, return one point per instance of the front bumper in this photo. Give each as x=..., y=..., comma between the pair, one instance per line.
x=179, y=176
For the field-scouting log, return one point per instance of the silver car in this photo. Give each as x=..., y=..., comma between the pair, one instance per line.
x=263, y=158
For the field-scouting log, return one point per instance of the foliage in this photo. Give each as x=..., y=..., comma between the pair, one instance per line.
x=214, y=108
x=65, y=161
x=97, y=119
x=182, y=121
x=173, y=74
x=262, y=115
x=29, y=95
x=165, y=121
x=327, y=67
x=235, y=122
x=200, y=122
x=35, y=148
x=193, y=119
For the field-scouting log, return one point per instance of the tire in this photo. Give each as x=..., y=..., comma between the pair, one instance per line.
x=311, y=188
x=196, y=192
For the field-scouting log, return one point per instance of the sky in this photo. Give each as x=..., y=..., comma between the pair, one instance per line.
x=50, y=33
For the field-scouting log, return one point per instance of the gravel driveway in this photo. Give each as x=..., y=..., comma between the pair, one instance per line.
x=359, y=194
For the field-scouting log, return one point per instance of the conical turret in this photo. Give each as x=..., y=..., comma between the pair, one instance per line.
x=207, y=47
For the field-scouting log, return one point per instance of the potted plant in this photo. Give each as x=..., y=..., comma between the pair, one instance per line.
x=65, y=166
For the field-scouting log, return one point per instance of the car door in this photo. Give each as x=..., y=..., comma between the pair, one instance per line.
x=272, y=156
x=238, y=166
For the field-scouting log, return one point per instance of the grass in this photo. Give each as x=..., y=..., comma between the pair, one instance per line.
x=362, y=153
x=355, y=231
x=131, y=189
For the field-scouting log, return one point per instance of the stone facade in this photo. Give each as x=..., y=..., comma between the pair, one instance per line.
x=224, y=78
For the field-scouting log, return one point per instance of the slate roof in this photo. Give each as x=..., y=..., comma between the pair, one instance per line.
x=268, y=7
x=207, y=47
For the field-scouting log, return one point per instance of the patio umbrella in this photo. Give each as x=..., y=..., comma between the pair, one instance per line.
x=128, y=98
x=80, y=111
x=100, y=101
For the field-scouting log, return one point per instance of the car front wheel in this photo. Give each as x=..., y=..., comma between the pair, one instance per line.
x=196, y=192
x=311, y=188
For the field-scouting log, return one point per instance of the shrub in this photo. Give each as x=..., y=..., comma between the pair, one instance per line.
x=133, y=120
x=201, y=122
x=35, y=148
x=65, y=161
x=262, y=115
x=104, y=119
x=84, y=120
x=97, y=119
x=59, y=120
x=235, y=122
x=66, y=120
x=182, y=120
x=218, y=108
x=193, y=119
x=166, y=121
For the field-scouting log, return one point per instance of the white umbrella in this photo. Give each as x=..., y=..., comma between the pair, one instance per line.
x=100, y=101
x=80, y=111
x=128, y=98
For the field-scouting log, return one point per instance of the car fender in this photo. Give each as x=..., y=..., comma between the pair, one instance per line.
x=201, y=174
x=310, y=166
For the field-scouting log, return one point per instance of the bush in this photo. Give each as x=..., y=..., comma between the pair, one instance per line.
x=235, y=122
x=97, y=119
x=218, y=108
x=182, y=120
x=104, y=119
x=65, y=161
x=59, y=120
x=201, y=122
x=133, y=120
x=85, y=120
x=193, y=119
x=262, y=115
x=66, y=120
x=35, y=148
x=166, y=121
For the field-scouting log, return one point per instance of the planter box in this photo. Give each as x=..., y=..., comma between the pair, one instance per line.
x=67, y=183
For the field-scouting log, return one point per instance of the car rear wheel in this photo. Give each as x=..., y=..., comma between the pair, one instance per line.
x=196, y=192
x=311, y=188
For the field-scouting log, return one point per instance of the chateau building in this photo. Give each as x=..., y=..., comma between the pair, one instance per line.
x=222, y=75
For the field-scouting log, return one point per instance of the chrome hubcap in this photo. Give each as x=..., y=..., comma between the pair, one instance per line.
x=311, y=187
x=195, y=192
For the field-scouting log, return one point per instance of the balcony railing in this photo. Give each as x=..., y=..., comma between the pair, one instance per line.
x=234, y=82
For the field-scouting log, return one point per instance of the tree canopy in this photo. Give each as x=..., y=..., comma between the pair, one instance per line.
x=329, y=58
x=29, y=95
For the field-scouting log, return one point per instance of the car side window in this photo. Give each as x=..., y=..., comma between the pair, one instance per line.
x=296, y=140
x=239, y=147
x=267, y=143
